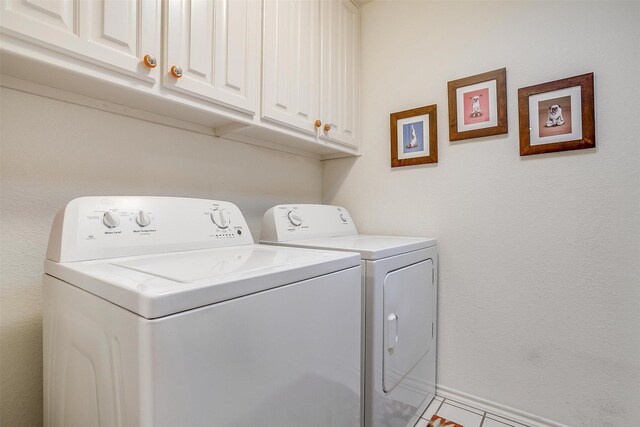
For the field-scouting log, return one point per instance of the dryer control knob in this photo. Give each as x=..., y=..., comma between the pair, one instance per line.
x=220, y=218
x=294, y=218
x=111, y=219
x=143, y=219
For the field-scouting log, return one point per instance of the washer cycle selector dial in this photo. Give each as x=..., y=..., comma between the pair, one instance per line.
x=343, y=217
x=143, y=219
x=220, y=218
x=111, y=219
x=294, y=218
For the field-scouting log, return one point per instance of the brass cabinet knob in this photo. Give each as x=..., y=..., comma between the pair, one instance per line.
x=317, y=123
x=150, y=61
x=176, y=71
x=327, y=127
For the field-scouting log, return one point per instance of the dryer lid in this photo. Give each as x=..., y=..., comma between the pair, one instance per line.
x=369, y=247
x=159, y=285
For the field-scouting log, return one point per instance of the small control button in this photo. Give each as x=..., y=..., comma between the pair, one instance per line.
x=143, y=219
x=294, y=218
x=239, y=232
x=343, y=217
x=111, y=219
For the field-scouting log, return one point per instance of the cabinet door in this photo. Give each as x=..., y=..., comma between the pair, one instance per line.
x=115, y=34
x=340, y=84
x=291, y=65
x=216, y=44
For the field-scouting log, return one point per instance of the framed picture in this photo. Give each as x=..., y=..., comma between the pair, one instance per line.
x=414, y=136
x=478, y=105
x=557, y=116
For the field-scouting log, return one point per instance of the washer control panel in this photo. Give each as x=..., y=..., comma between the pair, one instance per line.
x=104, y=227
x=305, y=221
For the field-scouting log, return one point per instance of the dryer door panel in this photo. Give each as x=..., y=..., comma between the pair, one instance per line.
x=408, y=317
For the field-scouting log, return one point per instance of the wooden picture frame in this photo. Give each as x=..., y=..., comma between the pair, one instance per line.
x=478, y=105
x=414, y=136
x=557, y=116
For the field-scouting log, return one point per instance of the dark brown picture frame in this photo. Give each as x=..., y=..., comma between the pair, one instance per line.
x=588, y=140
x=500, y=76
x=432, y=111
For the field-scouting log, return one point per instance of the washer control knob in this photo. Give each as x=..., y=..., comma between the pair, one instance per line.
x=294, y=218
x=343, y=217
x=143, y=219
x=110, y=219
x=220, y=218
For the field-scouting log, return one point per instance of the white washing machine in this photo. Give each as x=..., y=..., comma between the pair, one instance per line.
x=162, y=312
x=399, y=276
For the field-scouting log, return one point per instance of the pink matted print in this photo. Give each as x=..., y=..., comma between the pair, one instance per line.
x=476, y=106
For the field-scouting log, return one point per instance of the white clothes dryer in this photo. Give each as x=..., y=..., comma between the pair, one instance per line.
x=162, y=311
x=399, y=277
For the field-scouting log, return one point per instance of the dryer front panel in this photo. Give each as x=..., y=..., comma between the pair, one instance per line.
x=407, y=319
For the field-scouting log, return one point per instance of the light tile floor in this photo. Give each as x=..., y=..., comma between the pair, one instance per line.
x=464, y=415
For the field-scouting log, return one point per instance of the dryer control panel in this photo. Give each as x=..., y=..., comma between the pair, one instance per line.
x=105, y=227
x=284, y=223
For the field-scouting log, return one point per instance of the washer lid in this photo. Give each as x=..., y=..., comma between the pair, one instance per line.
x=369, y=247
x=159, y=285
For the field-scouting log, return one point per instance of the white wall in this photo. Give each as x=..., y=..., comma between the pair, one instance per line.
x=53, y=151
x=539, y=269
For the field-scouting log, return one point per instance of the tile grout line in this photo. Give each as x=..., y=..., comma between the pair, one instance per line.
x=436, y=412
x=455, y=405
x=484, y=415
x=502, y=420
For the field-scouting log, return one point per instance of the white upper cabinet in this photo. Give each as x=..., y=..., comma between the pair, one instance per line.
x=115, y=34
x=291, y=63
x=276, y=73
x=311, y=68
x=340, y=83
x=215, y=49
